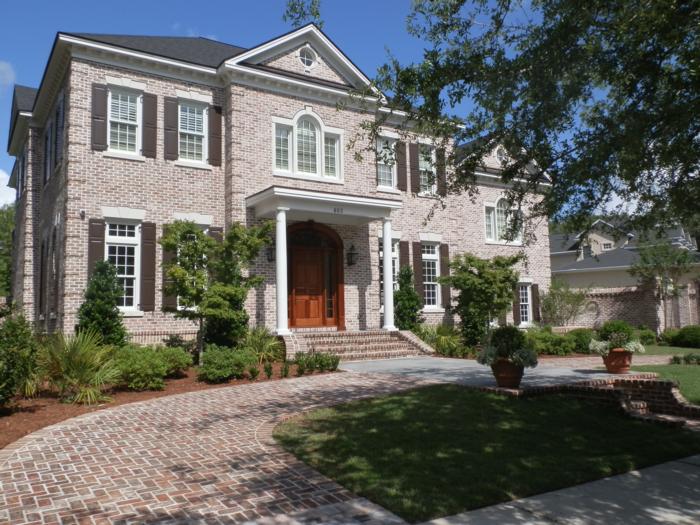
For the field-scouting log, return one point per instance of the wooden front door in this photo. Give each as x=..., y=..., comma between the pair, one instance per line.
x=307, y=286
x=315, y=277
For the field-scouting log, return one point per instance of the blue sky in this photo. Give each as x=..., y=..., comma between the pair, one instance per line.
x=363, y=29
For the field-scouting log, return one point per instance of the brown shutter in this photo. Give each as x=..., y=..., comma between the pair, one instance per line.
x=413, y=154
x=170, y=128
x=403, y=254
x=535, y=291
x=445, y=272
x=169, y=301
x=516, y=305
x=96, y=243
x=215, y=135
x=441, y=173
x=150, y=125
x=216, y=233
x=148, y=267
x=99, y=117
x=401, y=175
x=418, y=270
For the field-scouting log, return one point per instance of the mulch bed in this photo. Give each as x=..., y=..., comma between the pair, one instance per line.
x=25, y=416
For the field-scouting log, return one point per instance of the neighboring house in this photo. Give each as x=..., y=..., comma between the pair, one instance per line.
x=600, y=260
x=127, y=134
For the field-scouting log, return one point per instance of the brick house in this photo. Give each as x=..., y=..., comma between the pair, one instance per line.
x=127, y=134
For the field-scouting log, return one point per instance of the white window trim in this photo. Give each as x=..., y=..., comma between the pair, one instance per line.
x=528, y=285
x=204, y=163
x=604, y=244
x=314, y=63
x=392, y=144
x=432, y=192
x=321, y=131
x=138, y=154
x=501, y=242
x=437, y=307
x=127, y=311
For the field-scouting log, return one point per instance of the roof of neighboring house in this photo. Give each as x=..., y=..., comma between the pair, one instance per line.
x=562, y=242
x=610, y=259
x=195, y=50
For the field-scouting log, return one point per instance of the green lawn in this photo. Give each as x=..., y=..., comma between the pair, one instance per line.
x=669, y=350
x=688, y=376
x=440, y=450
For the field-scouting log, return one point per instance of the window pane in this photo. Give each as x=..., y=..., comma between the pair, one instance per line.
x=306, y=147
x=428, y=249
x=122, y=136
x=490, y=226
x=330, y=156
x=281, y=147
x=385, y=163
x=123, y=106
x=524, y=292
x=501, y=218
x=124, y=260
x=192, y=118
x=191, y=147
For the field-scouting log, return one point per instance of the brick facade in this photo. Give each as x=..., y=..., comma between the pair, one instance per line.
x=90, y=180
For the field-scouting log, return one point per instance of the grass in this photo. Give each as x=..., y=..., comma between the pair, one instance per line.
x=688, y=377
x=444, y=449
x=668, y=350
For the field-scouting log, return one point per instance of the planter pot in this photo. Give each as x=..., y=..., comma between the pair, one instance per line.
x=618, y=361
x=507, y=374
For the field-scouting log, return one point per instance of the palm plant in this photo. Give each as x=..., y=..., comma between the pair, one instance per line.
x=266, y=346
x=79, y=367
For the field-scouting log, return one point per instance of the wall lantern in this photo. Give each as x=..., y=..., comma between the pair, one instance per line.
x=270, y=252
x=351, y=255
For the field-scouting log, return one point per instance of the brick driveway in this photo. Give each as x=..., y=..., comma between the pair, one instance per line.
x=196, y=457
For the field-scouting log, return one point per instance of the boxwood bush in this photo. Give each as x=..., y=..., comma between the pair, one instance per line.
x=581, y=337
x=688, y=336
x=177, y=360
x=544, y=342
x=222, y=363
x=646, y=336
x=141, y=368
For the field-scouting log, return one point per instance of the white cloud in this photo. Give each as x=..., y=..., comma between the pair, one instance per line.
x=7, y=74
x=7, y=195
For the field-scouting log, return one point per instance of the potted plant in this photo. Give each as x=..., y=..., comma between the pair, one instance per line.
x=507, y=354
x=616, y=345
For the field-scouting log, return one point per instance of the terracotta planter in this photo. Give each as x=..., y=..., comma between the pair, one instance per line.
x=618, y=361
x=507, y=374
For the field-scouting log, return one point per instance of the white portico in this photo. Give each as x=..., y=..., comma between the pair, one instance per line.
x=312, y=255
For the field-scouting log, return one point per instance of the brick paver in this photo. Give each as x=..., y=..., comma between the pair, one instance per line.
x=190, y=458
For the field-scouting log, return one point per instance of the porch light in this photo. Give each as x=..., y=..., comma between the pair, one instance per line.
x=351, y=255
x=270, y=252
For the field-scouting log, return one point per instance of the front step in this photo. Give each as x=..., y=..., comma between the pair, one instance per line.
x=362, y=345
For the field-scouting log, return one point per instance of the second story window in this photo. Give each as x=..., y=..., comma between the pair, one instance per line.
x=192, y=126
x=386, y=164
x=305, y=148
x=426, y=163
x=124, y=121
x=497, y=220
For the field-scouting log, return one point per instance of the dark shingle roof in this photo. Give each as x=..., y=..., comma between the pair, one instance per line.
x=194, y=50
x=22, y=100
x=562, y=242
x=610, y=259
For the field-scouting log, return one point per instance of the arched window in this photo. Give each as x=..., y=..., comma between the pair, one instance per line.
x=499, y=218
x=307, y=146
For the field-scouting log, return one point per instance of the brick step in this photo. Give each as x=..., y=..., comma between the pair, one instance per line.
x=354, y=342
x=366, y=356
x=368, y=333
x=352, y=339
x=347, y=349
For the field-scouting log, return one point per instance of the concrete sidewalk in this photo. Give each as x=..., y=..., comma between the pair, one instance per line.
x=663, y=494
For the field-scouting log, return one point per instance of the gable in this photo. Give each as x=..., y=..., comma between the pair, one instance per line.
x=293, y=62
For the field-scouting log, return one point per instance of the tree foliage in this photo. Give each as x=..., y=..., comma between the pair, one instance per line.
x=661, y=265
x=407, y=302
x=562, y=304
x=600, y=98
x=100, y=311
x=211, y=279
x=7, y=225
x=484, y=291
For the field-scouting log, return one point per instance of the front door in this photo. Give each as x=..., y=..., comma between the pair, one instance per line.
x=307, y=286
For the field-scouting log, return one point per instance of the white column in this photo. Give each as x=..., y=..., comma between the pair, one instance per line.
x=388, y=276
x=281, y=271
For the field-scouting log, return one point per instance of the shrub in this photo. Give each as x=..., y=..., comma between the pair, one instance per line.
x=267, y=367
x=646, y=336
x=562, y=303
x=445, y=340
x=407, y=302
x=267, y=347
x=284, y=370
x=177, y=341
x=253, y=372
x=544, y=342
x=100, y=310
x=177, y=360
x=507, y=342
x=668, y=336
x=615, y=327
x=79, y=367
x=18, y=356
x=222, y=363
x=688, y=336
x=333, y=362
x=301, y=360
x=141, y=368
x=581, y=338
